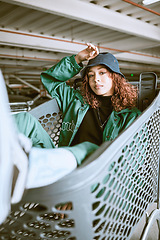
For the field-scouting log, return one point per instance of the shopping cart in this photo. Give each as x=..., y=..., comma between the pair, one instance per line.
x=105, y=198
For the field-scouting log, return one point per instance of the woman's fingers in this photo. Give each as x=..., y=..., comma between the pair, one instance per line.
x=93, y=51
x=91, y=46
x=86, y=54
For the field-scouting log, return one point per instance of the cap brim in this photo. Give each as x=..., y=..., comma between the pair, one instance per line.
x=92, y=65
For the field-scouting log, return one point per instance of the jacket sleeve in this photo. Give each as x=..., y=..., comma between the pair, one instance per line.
x=131, y=117
x=54, y=80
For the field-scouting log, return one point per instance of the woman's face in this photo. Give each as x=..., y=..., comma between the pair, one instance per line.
x=100, y=81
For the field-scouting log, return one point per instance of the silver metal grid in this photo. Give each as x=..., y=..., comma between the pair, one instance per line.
x=52, y=124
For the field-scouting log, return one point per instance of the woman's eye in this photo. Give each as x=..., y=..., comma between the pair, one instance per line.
x=90, y=76
x=102, y=73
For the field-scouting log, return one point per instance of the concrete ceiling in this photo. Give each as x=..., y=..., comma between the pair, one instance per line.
x=35, y=34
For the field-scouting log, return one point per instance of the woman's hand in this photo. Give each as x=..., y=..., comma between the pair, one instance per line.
x=88, y=53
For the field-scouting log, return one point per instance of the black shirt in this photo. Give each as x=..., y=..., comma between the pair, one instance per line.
x=91, y=128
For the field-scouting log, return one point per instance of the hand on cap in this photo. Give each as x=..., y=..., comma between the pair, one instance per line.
x=88, y=53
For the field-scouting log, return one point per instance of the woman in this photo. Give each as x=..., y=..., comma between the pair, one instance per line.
x=105, y=107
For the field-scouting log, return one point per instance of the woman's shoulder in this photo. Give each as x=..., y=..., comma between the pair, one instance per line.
x=134, y=110
x=129, y=110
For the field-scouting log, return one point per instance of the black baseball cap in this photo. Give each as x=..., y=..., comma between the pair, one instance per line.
x=106, y=59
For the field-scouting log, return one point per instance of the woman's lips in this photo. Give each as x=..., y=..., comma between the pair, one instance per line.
x=98, y=86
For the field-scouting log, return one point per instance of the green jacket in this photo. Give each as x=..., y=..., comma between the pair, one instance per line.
x=73, y=106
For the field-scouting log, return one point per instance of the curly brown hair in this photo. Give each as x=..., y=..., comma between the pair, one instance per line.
x=125, y=94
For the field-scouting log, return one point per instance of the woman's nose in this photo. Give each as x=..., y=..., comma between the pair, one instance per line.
x=97, y=78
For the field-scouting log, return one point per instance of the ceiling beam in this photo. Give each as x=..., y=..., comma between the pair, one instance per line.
x=29, y=54
x=93, y=14
x=132, y=43
x=41, y=42
x=34, y=41
x=138, y=57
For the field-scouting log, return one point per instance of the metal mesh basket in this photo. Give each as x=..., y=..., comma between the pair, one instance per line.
x=50, y=118
x=105, y=199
